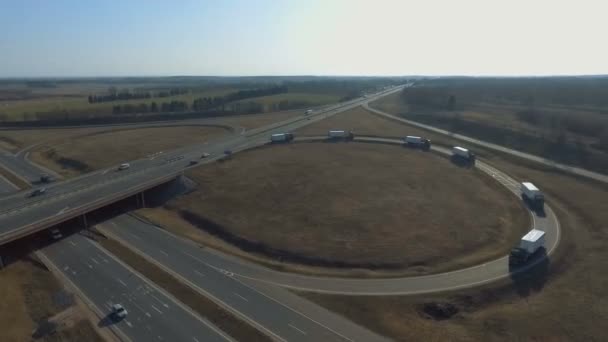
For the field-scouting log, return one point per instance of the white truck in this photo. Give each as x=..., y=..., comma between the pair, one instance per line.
x=532, y=194
x=529, y=244
x=308, y=112
x=463, y=153
x=337, y=135
x=415, y=141
x=281, y=137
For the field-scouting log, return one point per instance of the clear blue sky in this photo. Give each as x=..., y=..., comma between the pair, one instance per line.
x=320, y=37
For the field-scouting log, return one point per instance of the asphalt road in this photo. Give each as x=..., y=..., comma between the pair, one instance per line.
x=65, y=198
x=261, y=306
x=153, y=315
x=548, y=162
x=146, y=237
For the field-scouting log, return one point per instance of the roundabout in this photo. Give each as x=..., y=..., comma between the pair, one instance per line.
x=245, y=271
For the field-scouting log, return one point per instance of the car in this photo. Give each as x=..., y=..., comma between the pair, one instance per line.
x=119, y=311
x=45, y=178
x=205, y=155
x=124, y=166
x=56, y=234
x=38, y=192
x=193, y=162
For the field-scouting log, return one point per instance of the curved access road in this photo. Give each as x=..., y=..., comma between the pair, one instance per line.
x=147, y=238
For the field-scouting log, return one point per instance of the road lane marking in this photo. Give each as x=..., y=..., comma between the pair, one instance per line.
x=155, y=308
x=95, y=261
x=238, y=295
x=72, y=243
x=89, y=265
x=135, y=236
x=158, y=300
x=195, y=339
x=199, y=273
x=165, y=253
x=298, y=330
x=62, y=211
x=122, y=282
x=129, y=324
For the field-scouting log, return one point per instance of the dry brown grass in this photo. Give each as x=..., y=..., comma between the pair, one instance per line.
x=569, y=305
x=356, y=206
x=104, y=149
x=28, y=291
x=14, y=140
x=206, y=308
x=258, y=120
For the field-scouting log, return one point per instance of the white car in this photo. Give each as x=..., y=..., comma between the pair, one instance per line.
x=124, y=166
x=119, y=311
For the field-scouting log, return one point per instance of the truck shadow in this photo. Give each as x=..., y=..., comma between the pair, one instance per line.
x=459, y=161
x=537, y=210
x=108, y=320
x=531, y=277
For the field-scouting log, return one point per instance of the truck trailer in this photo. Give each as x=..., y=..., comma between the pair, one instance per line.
x=281, y=137
x=337, y=135
x=529, y=244
x=463, y=153
x=414, y=141
x=532, y=194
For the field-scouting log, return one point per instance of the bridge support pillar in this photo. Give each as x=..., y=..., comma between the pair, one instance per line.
x=84, y=221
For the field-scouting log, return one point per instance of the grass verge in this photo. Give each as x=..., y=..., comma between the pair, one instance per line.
x=217, y=315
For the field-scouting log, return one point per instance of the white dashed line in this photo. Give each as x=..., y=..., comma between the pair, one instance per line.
x=155, y=308
x=165, y=253
x=238, y=295
x=122, y=282
x=298, y=330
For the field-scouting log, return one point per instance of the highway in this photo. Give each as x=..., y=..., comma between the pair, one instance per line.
x=147, y=238
x=191, y=264
x=21, y=215
x=153, y=315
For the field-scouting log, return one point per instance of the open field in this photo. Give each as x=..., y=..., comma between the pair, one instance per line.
x=31, y=295
x=206, y=308
x=292, y=100
x=386, y=209
x=566, y=304
x=78, y=155
x=18, y=109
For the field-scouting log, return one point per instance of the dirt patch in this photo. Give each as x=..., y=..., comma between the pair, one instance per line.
x=31, y=298
x=438, y=311
x=209, y=310
x=364, y=206
x=77, y=155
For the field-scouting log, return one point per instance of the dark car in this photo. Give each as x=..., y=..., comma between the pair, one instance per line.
x=38, y=192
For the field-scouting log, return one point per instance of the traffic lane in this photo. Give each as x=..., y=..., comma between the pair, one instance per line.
x=20, y=167
x=146, y=237
x=6, y=187
x=152, y=316
x=284, y=322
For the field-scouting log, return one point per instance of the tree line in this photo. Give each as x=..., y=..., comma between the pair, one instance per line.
x=126, y=94
x=203, y=103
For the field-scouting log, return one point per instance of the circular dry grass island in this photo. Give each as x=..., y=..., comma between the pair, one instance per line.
x=353, y=209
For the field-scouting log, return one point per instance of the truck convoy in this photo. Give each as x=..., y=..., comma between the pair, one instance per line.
x=532, y=194
x=463, y=154
x=281, y=137
x=340, y=135
x=420, y=142
x=529, y=244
